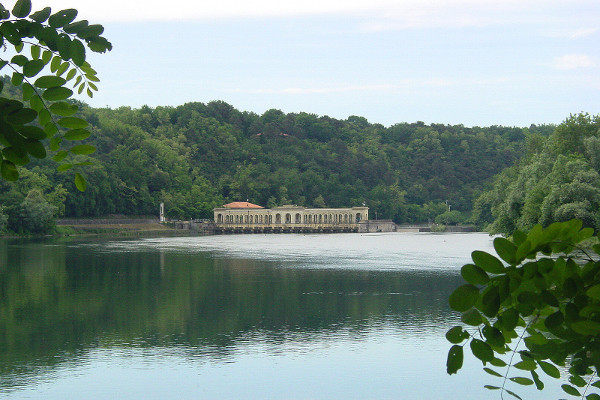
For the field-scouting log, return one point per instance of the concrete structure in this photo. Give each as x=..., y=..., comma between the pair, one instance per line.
x=380, y=225
x=247, y=217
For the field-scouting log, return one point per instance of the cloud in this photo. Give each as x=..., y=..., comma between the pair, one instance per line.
x=573, y=61
x=375, y=14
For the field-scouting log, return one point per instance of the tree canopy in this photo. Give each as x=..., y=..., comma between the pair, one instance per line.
x=559, y=179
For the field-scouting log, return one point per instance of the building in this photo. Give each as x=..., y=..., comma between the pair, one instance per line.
x=248, y=217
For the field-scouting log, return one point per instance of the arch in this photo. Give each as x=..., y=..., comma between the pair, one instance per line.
x=345, y=218
x=288, y=218
x=298, y=218
x=358, y=217
x=277, y=218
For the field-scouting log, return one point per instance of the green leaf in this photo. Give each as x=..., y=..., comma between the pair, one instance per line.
x=75, y=27
x=28, y=92
x=99, y=44
x=554, y=320
x=482, y=350
x=521, y=380
x=71, y=74
x=61, y=155
x=474, y=274
x=456, y=335
x=490, y=303
x=471, y=317
x=63, y=108
x=493, y=336
x=536, y=378
x=83, y=149
x=9, y=172
x=22, y=8
x=44, y=118
x=42, y=15
x=570, y=390
x=63, y=68
x=593, y=396
x=21, y=116
x=80, y=182
x=594, y=292
x=57, y=93
x=496, y=362
x=49, y=81
x=62, y=18
x=464, y=297
x=490, y=387
x=510, y=319
x=577, y=381
x=77, y=134
x=586, y=327
x=17, y=156
x=505, y=249
x=55, y=143
x=35, y=52
x=77, y=52
x=16, y=79
x=64, y=167
x=73, y=123
x=91, y=31
x=455, y=359
x=33, y=67
x=487, y=261
x=35, y=148
x=32, y=132
x=56, y=61
x=526, y=365
x=8, y=30
x=64, y=47
x=492, y=372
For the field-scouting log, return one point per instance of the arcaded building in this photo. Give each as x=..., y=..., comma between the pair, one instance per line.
x=248, y=217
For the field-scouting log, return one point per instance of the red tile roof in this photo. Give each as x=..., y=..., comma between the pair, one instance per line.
x=241, y=204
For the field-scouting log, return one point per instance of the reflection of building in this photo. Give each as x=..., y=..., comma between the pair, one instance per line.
x=248, y=217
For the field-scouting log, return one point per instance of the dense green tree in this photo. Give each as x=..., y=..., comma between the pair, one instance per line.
x=37, y=215
x=3, y=220
x=557, y=182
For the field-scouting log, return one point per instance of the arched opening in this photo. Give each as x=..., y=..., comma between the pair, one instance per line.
x=277, y=218
x=345, y=218
x=357, y=218
x=298, y=218
x=219, y=218
x=288, y=218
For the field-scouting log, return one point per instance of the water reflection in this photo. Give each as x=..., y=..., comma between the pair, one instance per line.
x=67, y=304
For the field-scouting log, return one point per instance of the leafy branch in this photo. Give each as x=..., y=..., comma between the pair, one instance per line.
x=545, y=285
x=59, y=42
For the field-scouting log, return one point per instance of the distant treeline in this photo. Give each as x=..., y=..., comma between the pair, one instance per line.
x=197, y=156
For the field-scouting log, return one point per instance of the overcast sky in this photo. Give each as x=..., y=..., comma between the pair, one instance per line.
x=475, y=62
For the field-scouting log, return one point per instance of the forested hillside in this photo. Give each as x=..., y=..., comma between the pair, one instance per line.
x=559, y=179
x=198, y=156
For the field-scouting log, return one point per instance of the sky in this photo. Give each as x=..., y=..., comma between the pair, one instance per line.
x=470, y=62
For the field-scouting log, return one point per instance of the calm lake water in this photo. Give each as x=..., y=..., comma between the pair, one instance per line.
x=330, y=316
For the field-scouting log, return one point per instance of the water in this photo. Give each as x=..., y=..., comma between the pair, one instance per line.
x=330, y=316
